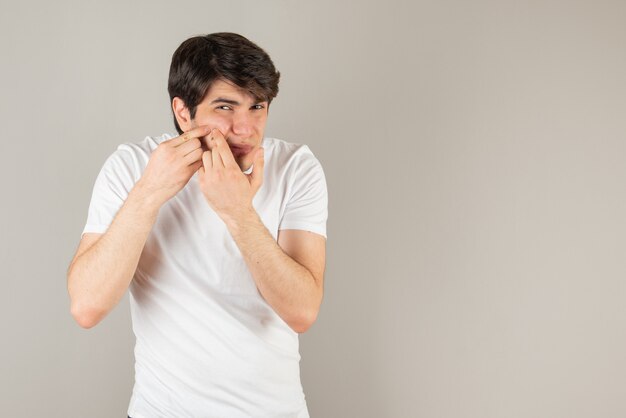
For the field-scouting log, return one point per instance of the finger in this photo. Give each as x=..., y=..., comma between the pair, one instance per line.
x=197, y=166
x=218, y=163
x=221, y=146
x=256, y=177
x=206, y=160
x=189, y=146
x=193, y=156
x=192, y=133
x=207, y=140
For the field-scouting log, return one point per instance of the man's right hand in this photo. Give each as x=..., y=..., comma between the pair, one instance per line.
x=172, y=164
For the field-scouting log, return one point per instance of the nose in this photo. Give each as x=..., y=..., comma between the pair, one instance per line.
x=243, y=125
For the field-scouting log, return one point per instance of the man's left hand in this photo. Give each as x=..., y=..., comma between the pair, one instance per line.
x=226, y=188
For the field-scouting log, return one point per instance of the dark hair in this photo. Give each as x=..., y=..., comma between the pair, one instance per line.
x=201, y=60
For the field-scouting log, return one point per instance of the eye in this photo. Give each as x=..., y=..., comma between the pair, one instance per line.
x=258, y=107
x=224, y=107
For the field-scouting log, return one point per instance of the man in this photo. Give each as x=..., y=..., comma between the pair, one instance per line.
x=219, y=233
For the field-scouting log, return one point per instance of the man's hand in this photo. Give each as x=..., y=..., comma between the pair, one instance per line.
x=172, y=164
x=226, y=188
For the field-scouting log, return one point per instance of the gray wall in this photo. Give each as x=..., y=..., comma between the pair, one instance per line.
x=474, y=153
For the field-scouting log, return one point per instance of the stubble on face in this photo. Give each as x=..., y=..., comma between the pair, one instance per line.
x=206, y=114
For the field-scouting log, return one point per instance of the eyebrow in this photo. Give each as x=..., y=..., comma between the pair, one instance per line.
x=231, y=101
x=224, y=100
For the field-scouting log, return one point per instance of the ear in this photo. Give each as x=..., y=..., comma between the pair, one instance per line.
x=181, y=112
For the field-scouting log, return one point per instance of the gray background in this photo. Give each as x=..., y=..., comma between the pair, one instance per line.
x=474, y=153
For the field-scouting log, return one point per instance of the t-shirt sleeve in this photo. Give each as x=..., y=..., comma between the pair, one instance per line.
x=307, y=205
x=112, y=186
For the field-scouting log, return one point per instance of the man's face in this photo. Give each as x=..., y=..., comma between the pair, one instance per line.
x=237, y=115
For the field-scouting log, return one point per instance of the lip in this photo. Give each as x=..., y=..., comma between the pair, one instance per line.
x=240, y=149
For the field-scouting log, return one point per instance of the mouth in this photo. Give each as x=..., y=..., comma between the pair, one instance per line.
x=239, y=150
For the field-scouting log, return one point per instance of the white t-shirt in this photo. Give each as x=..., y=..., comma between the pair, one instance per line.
x=207, y=343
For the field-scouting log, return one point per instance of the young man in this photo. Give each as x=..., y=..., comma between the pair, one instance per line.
x=219, y=233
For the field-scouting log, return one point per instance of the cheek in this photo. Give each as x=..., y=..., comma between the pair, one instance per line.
x=215, y=121
x=259, y=123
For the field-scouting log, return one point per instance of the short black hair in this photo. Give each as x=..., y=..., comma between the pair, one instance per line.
x=201, y=60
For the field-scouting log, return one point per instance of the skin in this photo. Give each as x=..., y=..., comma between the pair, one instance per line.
x=241, y=122
x=288, y=272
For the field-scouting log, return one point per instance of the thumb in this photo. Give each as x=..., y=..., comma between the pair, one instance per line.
x=256, y=177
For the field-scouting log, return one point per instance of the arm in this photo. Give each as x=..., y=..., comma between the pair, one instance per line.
x=288, y=273
x=105, y=264
x=102, y=271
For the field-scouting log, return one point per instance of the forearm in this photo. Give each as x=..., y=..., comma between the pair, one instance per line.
x=98, y=278
x=285, y=284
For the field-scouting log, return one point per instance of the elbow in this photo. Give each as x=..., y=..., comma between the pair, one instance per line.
x=85, y=315
x=86, y=318
x=302, y=324
x=307, y=317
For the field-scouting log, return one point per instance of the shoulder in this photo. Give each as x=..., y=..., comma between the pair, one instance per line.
x=132, y=157
x=145, y=146
x=289, y=154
